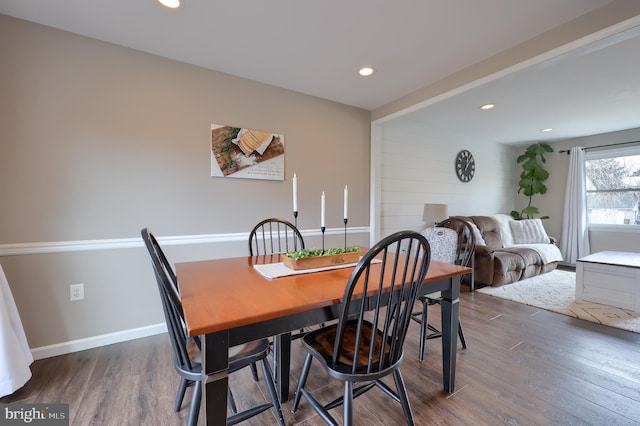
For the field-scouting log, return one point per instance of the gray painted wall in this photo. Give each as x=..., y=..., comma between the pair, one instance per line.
x=98, y=141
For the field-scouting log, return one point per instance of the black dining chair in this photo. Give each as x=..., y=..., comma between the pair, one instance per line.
x=367, y=342
x=273, y=236
x=461, y=252
x=187, y=355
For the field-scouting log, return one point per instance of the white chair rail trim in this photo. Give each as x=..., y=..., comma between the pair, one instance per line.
x=21, y=249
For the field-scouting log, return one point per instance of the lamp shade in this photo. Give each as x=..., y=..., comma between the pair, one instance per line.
x=434, y=213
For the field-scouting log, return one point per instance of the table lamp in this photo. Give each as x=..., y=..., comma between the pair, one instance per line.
x=434, y=213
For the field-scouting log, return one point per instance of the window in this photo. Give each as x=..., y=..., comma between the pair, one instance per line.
x=613, y=186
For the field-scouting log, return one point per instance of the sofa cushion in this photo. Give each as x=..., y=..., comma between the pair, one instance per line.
x=514, y=264
x=528, y=256
x=508, y=268
x=528, y=231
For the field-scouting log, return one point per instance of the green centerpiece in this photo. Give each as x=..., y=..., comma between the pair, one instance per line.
x=319, y=258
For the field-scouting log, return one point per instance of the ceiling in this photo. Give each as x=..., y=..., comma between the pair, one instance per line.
x=590, y=90
x=316, y=48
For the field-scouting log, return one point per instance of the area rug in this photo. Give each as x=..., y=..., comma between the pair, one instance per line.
x=556, y=291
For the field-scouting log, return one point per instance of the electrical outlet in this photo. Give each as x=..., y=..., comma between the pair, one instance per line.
x=76, y=292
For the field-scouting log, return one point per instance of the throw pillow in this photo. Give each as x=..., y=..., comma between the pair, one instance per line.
x=443, y=243
x=528, y=231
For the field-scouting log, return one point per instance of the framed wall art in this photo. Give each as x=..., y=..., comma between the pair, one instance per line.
x=246, y=153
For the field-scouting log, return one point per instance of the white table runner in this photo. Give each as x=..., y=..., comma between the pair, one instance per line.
x=15, y=355
x=277, y=270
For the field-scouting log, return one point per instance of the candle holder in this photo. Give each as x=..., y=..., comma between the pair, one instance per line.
x=295, y=223
x=345, y=232
x=322, y=229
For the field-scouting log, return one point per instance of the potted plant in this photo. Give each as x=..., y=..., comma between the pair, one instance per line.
x=532, y=178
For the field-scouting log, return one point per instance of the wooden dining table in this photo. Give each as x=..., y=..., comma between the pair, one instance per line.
x=227, y=302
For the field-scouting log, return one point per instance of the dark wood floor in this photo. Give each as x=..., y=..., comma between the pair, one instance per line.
x=523, y=366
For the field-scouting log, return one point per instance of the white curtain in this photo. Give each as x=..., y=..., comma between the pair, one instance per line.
x=574, y=243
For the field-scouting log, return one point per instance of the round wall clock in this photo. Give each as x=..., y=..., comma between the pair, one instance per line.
x=465, y=166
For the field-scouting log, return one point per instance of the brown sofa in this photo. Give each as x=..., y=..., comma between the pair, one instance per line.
x=499, y=259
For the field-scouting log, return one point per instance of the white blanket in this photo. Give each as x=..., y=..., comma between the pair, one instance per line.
x=548, y=252
x=15, y=356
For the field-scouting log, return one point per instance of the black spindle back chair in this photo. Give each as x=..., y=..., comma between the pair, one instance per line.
x=187, y=356
x=273, y=236
x=464, y=253
x=367, y=342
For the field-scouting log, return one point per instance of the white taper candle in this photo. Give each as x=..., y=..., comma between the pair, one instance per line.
x=295, y=193
x=322, y=210
x=346, y=201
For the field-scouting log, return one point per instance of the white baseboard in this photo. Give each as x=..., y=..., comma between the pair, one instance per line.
x=97, y=341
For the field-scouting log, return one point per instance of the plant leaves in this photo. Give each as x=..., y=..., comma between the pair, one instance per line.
x=319, y=252
x=532, y=177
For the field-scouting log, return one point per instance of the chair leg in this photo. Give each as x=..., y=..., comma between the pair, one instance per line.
x=472, y=277
x=272, y=391
x=194, y=410
x=231, y=402
x=402, y=394
x=254, y=372
x=423, y=329
x=276, y=357
x=180, y=397
x=461, y=335
x=347, y=408
x=303, y=378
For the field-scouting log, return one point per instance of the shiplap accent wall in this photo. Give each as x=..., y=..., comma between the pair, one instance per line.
x=416, y=168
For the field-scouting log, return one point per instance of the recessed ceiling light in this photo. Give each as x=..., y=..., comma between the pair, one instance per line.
x=487, y=106
x=170, y=3
x=548, y=129
x=365, y=71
